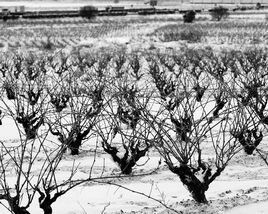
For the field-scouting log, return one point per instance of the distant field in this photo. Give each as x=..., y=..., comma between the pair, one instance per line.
x=68, y=4
x=142, y=1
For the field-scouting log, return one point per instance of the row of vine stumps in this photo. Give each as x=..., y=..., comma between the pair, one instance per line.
x=175, y=102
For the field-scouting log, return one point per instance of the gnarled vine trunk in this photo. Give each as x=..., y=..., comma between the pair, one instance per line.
x=193, y=184
x=131, y=156
x=14, y=205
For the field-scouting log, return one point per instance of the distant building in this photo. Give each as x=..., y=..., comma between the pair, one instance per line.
x=12, y=9
x=151, y=2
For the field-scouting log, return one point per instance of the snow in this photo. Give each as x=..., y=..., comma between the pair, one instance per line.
x=232, y=189
x=260, y=208
x=8, y=130
x=243, y=184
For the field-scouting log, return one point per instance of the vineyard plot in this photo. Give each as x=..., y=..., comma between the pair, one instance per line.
x=133, y=116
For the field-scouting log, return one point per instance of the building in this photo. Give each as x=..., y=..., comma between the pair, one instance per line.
x=12, y=9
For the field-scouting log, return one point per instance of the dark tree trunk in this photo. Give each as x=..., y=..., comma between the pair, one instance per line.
x=126, y=166
x=46, y=207
x=74, y=146
x=193, y=184
x=198, y=194
x=45, y=201
x=31, y=123
x=20, y=210
x=130, y=158
x=13, y=202
x=30, y=133
x=74, y=150
x=76, y=138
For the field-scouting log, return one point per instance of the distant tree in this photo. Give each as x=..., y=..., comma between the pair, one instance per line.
x=189, y=16
x=152, y=3
x=88, y=12
x=219, y=13
x=5, y=18
x=258, y=6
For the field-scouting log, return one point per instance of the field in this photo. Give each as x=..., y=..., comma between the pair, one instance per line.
x=181, y=4
x=134, y=114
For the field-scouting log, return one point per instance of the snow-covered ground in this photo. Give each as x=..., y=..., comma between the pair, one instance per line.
x=243, y=185
x=242, y=188
x=258, y=207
